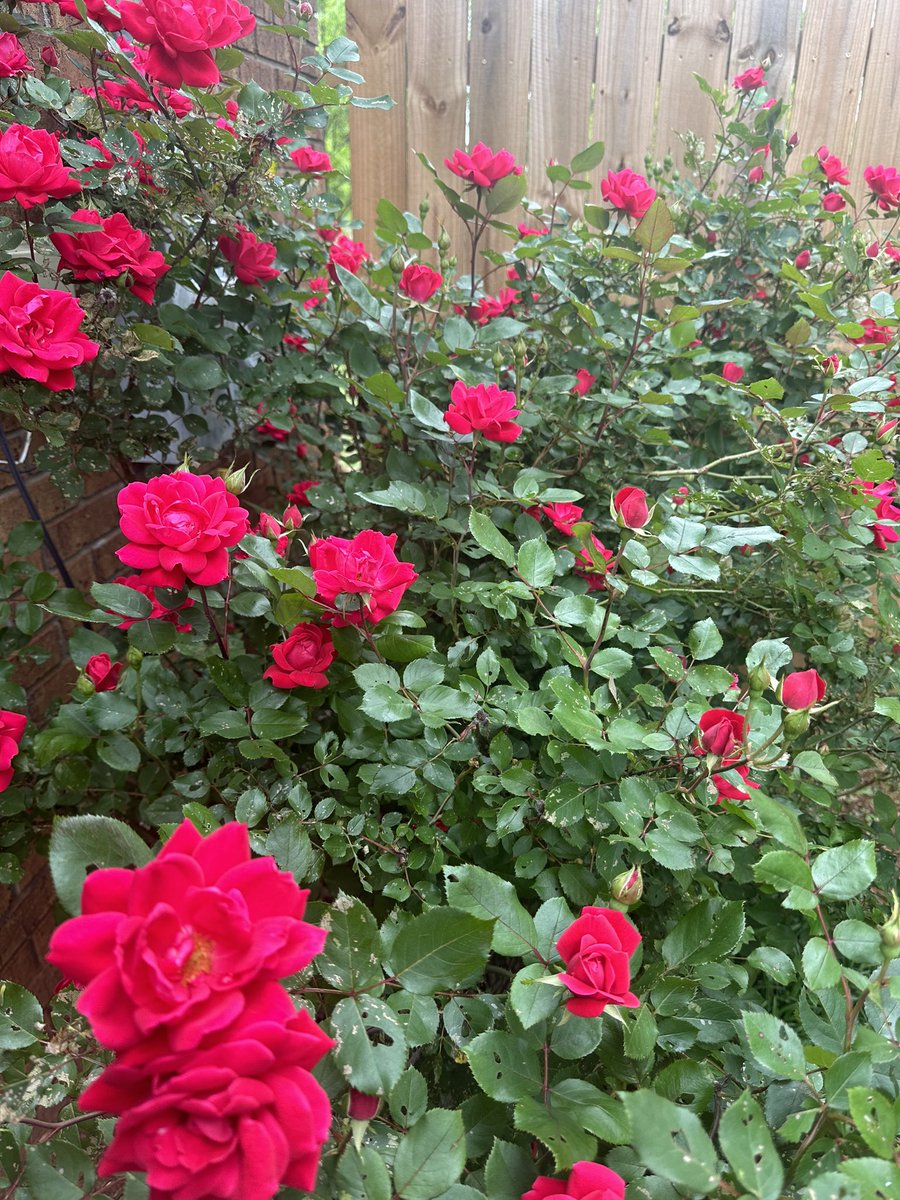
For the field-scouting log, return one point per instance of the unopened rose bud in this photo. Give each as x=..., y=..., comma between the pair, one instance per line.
x=498, y=358
x=49, y=57
x=134, y=657
x=629, y=508
x=890, y=932
x=759, y=680
x=84, y=687
x=362, y=1107
x=831, y=364
x=872, y=249
x=794, y=140
x=424, y=209
x=628, y=887
x=443, y=241
x=292, y=518
x=451, y=262
x=520, y=349
x=796, y=724
x=305, y=12
x=236, y=481
x=887, y=432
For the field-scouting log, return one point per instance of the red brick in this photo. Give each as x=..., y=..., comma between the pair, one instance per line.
x=89, y=520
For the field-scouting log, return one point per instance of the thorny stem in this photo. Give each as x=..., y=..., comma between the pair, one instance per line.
x=221, y=639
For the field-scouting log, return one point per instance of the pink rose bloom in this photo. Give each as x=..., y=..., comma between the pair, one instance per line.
x=302, y=659
x=319, y=292
x=585, y=382
x=234, y=1119
x=12, y=727
x=486, y=409
x=181, y=525
x=420, y=282
x=833, y=202
x=875, y=334
x=117, y=248
x=13, y=59
x=832, y=168
x=563, y=516
x=359, y=578
x=892, y=251
x=596, y=949
x=31, y=168
x=98, y=10
x=103, y=672
x=251, y=259
x=172, y=947
x=586, y=1181
x=346, y=253
x=482, y=166
x=526, y=232
x=310, y=161
x=630, y=505
x=628, y=192
x=801, y=262
x=40, y=333
x=732, y=372
x=755, y=174
x=181, y=35
x=801, y=689
x=884, y=184
x=750, y=80
x=586, y=568
x=147, y=583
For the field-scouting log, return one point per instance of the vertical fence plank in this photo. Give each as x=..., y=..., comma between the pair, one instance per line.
x=379, y=140
x=563, y=49
x=436, y=103
x=829, y=74
x=877, y=133
x=697, y=39
x=767, y=33
x=499, y=72
x=627, y=78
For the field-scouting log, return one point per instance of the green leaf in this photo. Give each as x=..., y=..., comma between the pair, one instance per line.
x=875, y=1117
x=382, y=703
x=611, y=662
x=783, y=869
x=505, y=1067
x=506, y=194
x=21, y=1018
x=409, y=1098
x=888, y=706
x=767, y=389
x=351, y=959
x=290, y=845
x=119, y=752
x=118, y=598
x=509, y=1172
x=810, y=761
x=844, y=871
x=152, y=637
x=441, y=949
x=641, y=1034
x=200, y=374
x=226, y=724
x=772, y=962
x=371, y=1048
x=704, y=640
x=872, y=466
x=536, y=563
x=476, y=891
x=275, y=723
x=532, y=1000
x=671, y=1141
x=78, y=843
x=431, y=1157
x=561, y=1131
x=589, y=158
x=858, y=942
x=775, y=1046
x=820, y=967
x=362, y=1175
x=777, y=819
x=707, y=932
x=656, y=227
x=358, y=292
x=747, y=1144
x=489, y=537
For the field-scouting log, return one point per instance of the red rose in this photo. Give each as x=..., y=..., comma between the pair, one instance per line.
x=296, y=342
x=251, y=258
x=359, y=578
x=885, y=510
x=587, y=568
x=101, y=11
x=587, y=1181
x=732, y=372
x=171, y=947
x=420, y=282
x=483, y=409
x=728, y=791
x=310, y=161
x=13, y=59
x=802, y=260
x=147, y=584
x=298, y=493
x=563, y=516
x=585, y=382
x=346, y=253
x=235, y=1119
x=40, y=333
x=801, y=689
x=750, y=80
x=831, y=365
x=31, y=169
x=117, y=248
x=12, y=726
x=361, y=1107
x=832, y=168
x=833, y=202
x=628, y=192
x=319, y=289
x=755, y=174
x=181, y=34
x=722, y=731
x=630, y=504
x=884, y=184
x=596, y=949
x=302, y=659
x=526, y=232
x=182, y=525
x=102, y=672
x=482, y=166
x=874, y=334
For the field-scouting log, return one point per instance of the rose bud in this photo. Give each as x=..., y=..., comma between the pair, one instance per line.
x=721, y=732
x=732, y=372
x=831, y=365
x=802, y=260
x=236, y=481
x=49, y=57
x=628, y=887
x=102, y=672
x=887, y=431
x=292, y=518
x=801, y=690
x=872, y=249
x=890, y=932
x=755, y=174
x=630, y=508
x=362, y=1107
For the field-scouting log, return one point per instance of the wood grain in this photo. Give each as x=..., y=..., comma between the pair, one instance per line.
x=877, y=128
x=627, y=79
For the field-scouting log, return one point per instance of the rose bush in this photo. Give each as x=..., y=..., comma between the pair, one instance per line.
x=619, y=634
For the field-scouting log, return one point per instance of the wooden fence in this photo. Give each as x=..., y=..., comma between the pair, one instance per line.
x=544, y=78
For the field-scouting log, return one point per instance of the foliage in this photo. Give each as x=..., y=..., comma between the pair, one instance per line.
x=490, y=757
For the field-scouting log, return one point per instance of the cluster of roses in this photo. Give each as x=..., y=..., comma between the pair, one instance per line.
x=179, y=962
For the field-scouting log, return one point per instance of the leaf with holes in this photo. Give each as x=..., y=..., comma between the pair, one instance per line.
x=350, y=960
x=486, y=896
x=371, y=1049
x=561, y=1132
x=362, y=1175
x=747, y=1144
x=875, y=1117
x=505, y=1067
x=671, y=1141
x=775, y=1046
